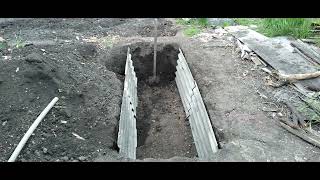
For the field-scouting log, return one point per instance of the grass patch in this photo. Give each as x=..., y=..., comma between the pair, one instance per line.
x=193, y=26
x=311, y=108
x=295, y=27
x=271, y=27
x=310, y=114
x=191, y=31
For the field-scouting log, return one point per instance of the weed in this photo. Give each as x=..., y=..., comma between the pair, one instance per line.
x=191, y=31
x=311, y=108
x=193, y=26
x=19, y=42
x=296, y=27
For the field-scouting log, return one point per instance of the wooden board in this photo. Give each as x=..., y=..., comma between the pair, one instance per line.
x=277, y=54
x=307, y=50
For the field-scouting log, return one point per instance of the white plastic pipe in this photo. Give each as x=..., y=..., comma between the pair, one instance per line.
x=25, y=138
x=155, y=50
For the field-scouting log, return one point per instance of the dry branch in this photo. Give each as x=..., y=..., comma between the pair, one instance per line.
x=297, y=77
x=302, y=134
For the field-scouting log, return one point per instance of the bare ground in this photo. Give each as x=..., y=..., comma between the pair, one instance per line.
x=231, y=88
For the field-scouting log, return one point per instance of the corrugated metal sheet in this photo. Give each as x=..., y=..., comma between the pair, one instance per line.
x=203, y=135
x=127, y=135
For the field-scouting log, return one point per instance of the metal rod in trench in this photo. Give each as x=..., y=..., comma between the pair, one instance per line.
x=155, y=50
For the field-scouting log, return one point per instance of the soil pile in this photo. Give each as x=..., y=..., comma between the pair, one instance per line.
x=89, y=103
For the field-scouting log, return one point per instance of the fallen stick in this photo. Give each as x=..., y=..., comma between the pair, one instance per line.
x=290, y=78
x=25, y=138
x=302, y=134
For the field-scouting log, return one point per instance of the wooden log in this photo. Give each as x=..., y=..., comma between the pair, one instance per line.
x=296, y=77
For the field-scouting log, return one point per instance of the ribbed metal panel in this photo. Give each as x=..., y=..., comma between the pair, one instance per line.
x=195, y=110
x=127, y=135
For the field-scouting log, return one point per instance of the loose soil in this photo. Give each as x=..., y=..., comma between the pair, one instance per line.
x=57, y=60
x=163, y=130
x=54, y=60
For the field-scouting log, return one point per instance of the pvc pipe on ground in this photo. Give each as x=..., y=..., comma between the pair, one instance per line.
x=155, y=50
x=25, y=138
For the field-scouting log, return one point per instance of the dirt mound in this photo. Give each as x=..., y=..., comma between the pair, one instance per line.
x=89, y=103
x=165, y=28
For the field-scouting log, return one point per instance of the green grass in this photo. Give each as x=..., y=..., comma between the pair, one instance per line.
x=191, y=31
x=199, y=22
x=295, y=27
x=194, y=26
x=271, y=27
x=311, y=108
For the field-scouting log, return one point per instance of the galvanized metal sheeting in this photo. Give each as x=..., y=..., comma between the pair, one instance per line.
x=203, y=135
x=127, y=135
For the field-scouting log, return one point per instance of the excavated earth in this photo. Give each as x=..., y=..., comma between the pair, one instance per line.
x=57, y=60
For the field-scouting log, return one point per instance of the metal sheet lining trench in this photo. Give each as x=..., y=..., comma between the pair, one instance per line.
x=202, y=132
x=203, y=135
x=127, y=135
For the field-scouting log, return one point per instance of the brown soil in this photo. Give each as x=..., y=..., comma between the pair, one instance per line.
x=88, y=79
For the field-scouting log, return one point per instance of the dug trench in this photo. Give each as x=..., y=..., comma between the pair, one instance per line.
x=163, y=131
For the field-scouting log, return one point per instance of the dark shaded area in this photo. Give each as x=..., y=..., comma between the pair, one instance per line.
x=163, y=131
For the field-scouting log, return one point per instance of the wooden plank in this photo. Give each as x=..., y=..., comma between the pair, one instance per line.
x=276, y=54
x=305, y=49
